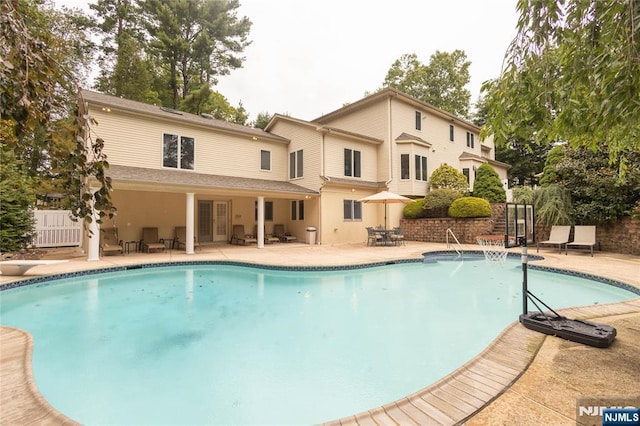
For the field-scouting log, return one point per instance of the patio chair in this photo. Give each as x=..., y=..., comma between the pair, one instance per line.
x=239, y=236
x=180, y=238
x=397, y=236
x=278, y=231
x=559, y=236
x=583, y=236
x=373, y=238
x=150, y=240
x=268, y=238
x=109, y=242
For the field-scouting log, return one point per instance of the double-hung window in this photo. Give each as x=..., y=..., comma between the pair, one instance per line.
x=352, y=161
x=405, y=173
x=268, y=211
x=352, y=211
x=178, y=151
x=465, y=172
x=470, y=138
x=418, y=120
x=295, y=164
x=421, y=168
x=297, y=210
x=265, y=160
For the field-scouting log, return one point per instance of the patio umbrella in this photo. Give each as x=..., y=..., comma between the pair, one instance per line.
x=385, y=197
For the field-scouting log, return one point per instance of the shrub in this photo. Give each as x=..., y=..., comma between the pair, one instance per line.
x=414, y=209
x=438, y=201
x=446, y=176
x=488, y=185
x=470, y=207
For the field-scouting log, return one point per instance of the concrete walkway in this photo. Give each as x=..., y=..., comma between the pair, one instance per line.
x=490, y=389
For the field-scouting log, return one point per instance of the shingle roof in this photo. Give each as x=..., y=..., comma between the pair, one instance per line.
x=140, y=107
x=470, y=156
x=181, y=178
x=409, y=137
x=354, y=182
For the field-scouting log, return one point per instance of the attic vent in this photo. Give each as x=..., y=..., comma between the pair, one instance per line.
x=205, y=115
x=171, y=110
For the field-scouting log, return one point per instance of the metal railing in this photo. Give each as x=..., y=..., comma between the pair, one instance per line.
x=458, y=246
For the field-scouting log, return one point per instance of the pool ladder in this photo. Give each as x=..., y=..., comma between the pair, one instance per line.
x=458, y=246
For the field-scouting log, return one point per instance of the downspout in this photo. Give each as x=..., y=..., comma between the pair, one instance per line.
x=319, y=206
x=389, y=141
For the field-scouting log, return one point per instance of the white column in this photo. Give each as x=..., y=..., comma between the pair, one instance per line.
x=93, y=252
x=260, y=228
x=190, y=223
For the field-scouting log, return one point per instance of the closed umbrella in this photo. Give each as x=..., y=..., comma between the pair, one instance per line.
x=385, y=197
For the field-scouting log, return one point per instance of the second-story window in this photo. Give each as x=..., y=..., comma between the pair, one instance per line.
x=465, y=172
x=470, y=139
x=295, y=164
x=421, y=168
x=265, y=160
x=404, y=167
x=178, y=151
x=352, y=161
x=418, y=120
x=451, y=132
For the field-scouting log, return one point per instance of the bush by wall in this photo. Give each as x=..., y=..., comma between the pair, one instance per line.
x=488, y=185
x=470, y=207
x=438, y=201
x=414, y=209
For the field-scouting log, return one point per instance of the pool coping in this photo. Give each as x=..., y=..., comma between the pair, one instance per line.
x=451, y=400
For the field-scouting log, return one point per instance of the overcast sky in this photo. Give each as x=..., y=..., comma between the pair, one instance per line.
x=310, y=57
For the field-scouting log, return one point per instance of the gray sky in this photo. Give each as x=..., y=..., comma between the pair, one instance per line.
x=308, y=58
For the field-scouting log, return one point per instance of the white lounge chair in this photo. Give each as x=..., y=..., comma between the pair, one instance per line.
x=583, y=236
x=559, y=236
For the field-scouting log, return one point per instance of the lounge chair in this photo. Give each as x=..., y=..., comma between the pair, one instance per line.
x=239, y=236
x=278, y=231
x=583, y=236
x=150, y=240
x=109, y=242
x=268, y=238
x=180, y=238
x=559, y=236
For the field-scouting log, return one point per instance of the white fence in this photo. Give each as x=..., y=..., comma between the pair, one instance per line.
x=54, y=228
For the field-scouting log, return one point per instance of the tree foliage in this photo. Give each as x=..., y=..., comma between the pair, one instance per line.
x=488, y=185
x=37, y=104
x=448, y=177
x=440, y=83
x=573, y=72
x=437, y=202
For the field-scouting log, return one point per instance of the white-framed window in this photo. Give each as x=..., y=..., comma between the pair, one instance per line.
x=296, y=169
x=405, y=172
x=421, y=168
x=178, y=151
x=265, y=160
x=418, y=120
x=352, y=163
x=268, y=211
x=352, y=211
x=451, y=133
x=470, y=141
x=465, y=172
x=297, y=210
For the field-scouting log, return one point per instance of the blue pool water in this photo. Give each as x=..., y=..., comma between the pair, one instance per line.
x=222, y=344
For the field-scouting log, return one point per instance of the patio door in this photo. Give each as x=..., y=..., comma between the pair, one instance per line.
x=205, y=221
x=221, y=221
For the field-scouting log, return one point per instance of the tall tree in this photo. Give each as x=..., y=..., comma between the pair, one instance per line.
x=195, y=41
x=131, y=77
x=38, y=90
x=441, y=83
x=203, y=100
x=574, y=71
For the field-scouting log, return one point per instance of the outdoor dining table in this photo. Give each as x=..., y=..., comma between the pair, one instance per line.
x=385, y=235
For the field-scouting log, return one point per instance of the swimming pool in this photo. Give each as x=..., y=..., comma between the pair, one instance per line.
x=228, y=344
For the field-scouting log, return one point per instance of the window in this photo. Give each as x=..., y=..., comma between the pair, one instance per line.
x=268, y=211
x=418, y=120
x=352, y=163
x=451, y=134
x=404, y=166
x=465, y=172
x=297, y=210
x=352, y=210
x=421, y=168
x=295, y=164
x=470, y=139
x=265, y=160
x=177, y=151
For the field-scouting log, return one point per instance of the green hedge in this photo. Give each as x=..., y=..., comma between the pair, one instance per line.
x=438, y=201
x=414, y=209
x=470, y=207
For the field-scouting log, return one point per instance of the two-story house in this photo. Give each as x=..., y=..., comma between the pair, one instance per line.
x=171, y=168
